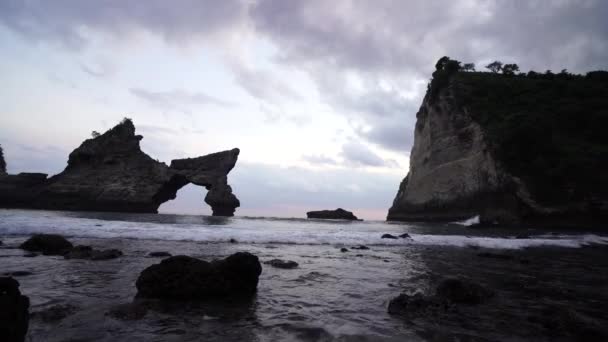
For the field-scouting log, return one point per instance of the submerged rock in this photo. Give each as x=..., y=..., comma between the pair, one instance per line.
x=48, y=244
x=360, y=247
x=343, y=249
x=338, y=214
x=18, y=273
x=278, y=263
x=405, y=236
x=186, y=278
x=55, y=313
x=110, y=172
x=14, y=315
x=159, y=254
x=87, y=252
x=389, y=236
x=105, y=254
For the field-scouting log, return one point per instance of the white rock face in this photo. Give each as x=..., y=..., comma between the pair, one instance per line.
x=451, y=167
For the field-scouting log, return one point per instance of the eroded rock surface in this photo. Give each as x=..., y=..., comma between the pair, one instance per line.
x=185, y=278
x=110, y=172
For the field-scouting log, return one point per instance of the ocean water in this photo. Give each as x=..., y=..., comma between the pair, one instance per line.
x=332, y=295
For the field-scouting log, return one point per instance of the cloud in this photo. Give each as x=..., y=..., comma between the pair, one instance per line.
x=177, y=98
x=356, y=153
x=320, y=159
x=263, y=85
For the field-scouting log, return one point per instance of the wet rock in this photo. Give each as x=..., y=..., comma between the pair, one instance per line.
x=79, y=252
x=14, y=315
x=405, y=236
x=55, y=313
x=159, y=254
x=278, y=263
x=343, y=250
x=389, y=236
x=462, y=292
x=186, y=278
x=30, y=255
x=232, y=241
x=18, y=273
x=105, y=254
x=48, y=244
x=361, y=247
x=338, y=214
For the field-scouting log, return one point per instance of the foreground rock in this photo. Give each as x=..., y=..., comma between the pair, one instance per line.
x=14, y=315
x=186, y=278
x=110, y=173
x=338, y=214
x=47, y=244
x=448, y=292
x=278, y=263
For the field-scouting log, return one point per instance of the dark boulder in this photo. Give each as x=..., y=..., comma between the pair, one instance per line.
x=186, y=278
x=405, y=236
x=105, y=254
x=48, y=244
x=14, y=315
x=338, y=214
x=278, y=263
x=389, y=236
x=343, y=250
x=159, y=254
x=462, y=292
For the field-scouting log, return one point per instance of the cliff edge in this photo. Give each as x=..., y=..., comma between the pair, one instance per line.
x=513, y=149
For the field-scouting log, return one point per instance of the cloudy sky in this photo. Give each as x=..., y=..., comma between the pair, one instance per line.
x=320, y=96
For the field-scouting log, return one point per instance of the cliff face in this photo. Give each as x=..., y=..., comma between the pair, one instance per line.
x=111, y=173
x=460, y=166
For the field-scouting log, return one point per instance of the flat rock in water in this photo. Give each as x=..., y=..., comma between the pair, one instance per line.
x=338, y=214
x=343, y=250
x=14, y=315
x=159, y=254
x=48, y=244
x=389, y=236
x=278, y=263
x=18, y=273
x=361, y=247
x=186, y=278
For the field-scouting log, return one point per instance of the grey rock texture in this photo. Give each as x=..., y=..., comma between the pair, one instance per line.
x=111, y=173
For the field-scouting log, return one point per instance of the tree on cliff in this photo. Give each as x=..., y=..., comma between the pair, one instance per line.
x=510, y=69
x=468, y=67
x=2, y=162
x=495, y=66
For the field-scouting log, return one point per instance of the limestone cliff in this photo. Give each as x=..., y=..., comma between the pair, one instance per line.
x=466, y=159
x=111, y=173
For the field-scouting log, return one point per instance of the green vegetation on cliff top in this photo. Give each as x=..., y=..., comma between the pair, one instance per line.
x=548, y=129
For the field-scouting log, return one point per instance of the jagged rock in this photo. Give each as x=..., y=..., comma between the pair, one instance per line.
x=111, y=173
x=278, y=263
x=48, y=244
x=187, y=278
x=388, y=236
x=14, y=315
x=338, y=214
x=159, y=254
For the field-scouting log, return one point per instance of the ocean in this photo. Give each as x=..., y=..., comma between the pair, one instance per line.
x=537, y=276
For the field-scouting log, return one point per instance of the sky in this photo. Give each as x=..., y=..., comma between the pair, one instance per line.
x=320, y=96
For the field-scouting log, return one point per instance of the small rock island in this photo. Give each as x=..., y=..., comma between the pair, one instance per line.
x=110, y=172
x=338, y=214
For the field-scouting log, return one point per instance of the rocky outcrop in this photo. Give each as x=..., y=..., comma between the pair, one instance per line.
x=14, y=311
x=48, y=244
x=338, y=214
x=456, y=172
x=111, y=173
x=2, y=162
x=186, y=278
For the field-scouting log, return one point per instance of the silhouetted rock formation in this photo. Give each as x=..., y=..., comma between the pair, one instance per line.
x=338, y=214
x=111, y=173
x=2, y=162
x=48, y=244
x=14, y=315
x=186, y=278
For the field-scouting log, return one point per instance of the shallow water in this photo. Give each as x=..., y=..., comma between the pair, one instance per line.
x=330, y=296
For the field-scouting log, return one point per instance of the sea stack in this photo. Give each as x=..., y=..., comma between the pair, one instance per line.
x=338, y=214
x=110, y=172
x=510, y=148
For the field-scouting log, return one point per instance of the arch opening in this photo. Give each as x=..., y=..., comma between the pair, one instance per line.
x=189, y=200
